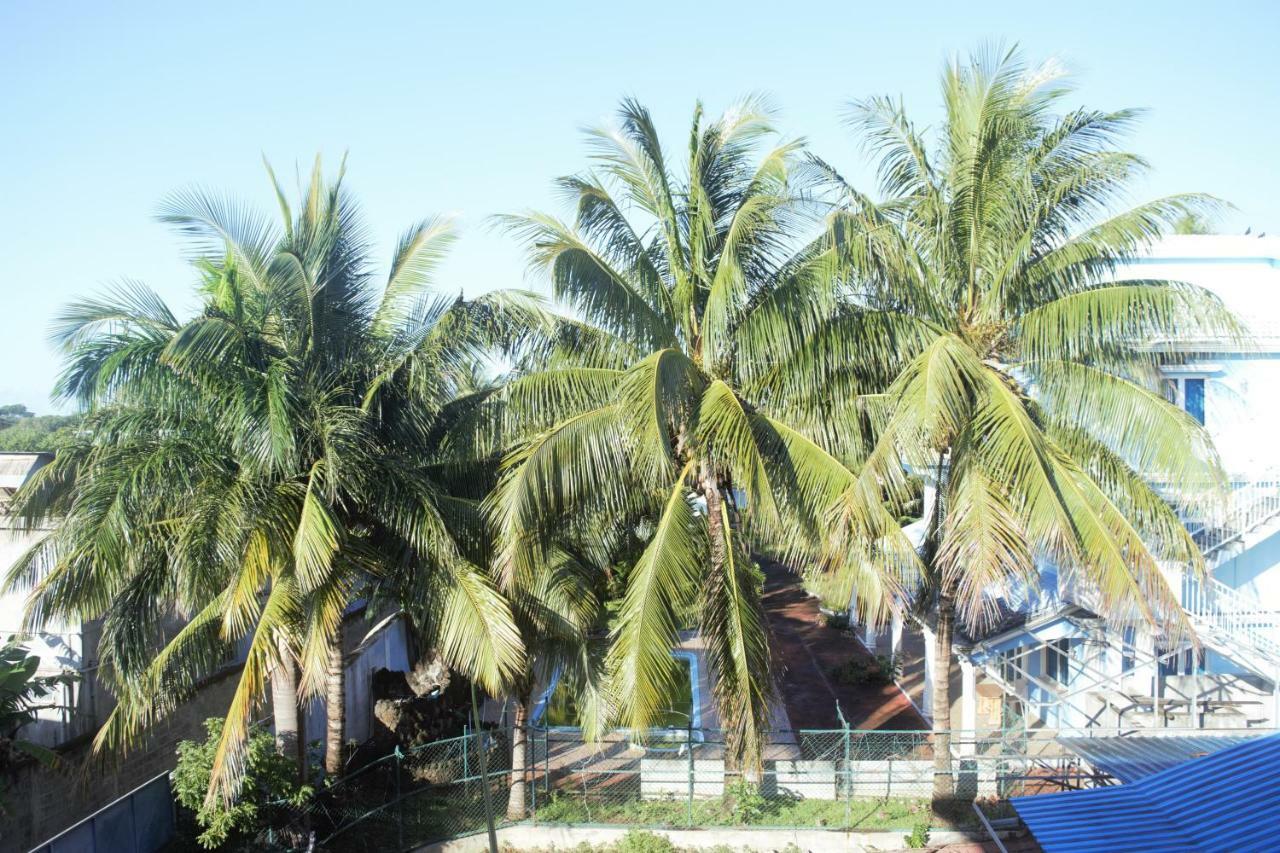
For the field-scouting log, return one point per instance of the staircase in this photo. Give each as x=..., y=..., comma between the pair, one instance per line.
x=1235, y=622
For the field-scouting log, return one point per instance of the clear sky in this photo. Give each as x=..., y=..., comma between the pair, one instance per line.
x=471, y=108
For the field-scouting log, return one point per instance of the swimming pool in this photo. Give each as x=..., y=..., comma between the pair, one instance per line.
x=555, y=711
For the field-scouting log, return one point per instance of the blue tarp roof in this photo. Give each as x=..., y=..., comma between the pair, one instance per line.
x=1226, y=801
x=1133, y=757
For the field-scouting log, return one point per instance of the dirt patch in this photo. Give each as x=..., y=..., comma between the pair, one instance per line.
x=805, y=652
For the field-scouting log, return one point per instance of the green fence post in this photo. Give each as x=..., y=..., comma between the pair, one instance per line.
x=848, y=766
x=466, y=770
x=689, y=746
x=399, y=803
x=531, y=773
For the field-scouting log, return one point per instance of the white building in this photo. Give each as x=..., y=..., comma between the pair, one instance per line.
x=1052, y=661
x=61, y=646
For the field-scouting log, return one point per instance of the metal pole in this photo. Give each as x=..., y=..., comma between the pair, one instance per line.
x=399, y=803
x=689, y=746
x=531, y=772
x=484, y=774
x=848, y=775
x=466, y=744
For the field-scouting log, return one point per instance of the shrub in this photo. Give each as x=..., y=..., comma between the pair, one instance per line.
x=270, y=782
x=746, y=803
x=639, y=841
x=882, y=670
x=919, y=836
x=832, y=619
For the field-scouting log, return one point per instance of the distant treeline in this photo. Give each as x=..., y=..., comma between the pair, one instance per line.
x=23, y=430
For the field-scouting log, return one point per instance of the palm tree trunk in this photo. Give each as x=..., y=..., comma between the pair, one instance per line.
x=944, y=785
x=746, y=755
x=285, y=710
x=516, y=804
x=335, y=709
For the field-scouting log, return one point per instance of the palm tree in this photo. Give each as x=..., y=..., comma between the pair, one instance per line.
x=308, y=438
x=561, y=609
x=662, y=398
x=1018, y=374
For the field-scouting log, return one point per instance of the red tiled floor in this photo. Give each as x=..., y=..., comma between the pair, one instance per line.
x=804, y=652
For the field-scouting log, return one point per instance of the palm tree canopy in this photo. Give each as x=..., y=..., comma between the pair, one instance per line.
x=986, y=319
x=662, y=397
x=311, y=436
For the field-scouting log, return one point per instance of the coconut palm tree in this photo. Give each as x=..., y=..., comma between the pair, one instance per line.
x=306, y=439
x=662, y=397
x=1025, y=386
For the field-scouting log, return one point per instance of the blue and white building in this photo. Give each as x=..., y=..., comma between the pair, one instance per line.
x=1052, y=661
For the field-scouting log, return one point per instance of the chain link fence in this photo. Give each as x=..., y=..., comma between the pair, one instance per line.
x=841, y=779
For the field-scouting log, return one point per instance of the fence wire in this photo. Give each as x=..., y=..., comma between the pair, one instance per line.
x=836, y=779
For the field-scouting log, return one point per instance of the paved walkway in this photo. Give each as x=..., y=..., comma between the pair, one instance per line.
x=805, y=652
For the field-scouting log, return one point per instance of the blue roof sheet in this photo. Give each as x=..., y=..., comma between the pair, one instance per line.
x=1226, y=801
x=1134, y=757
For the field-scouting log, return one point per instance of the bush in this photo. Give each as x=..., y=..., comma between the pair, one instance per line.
x=882, y=670
x=270, y=785
x=639, y=841
x=918, y=838
x=832, y=619
x=746, y=803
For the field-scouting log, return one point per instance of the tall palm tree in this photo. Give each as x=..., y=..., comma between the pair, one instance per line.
x=662, y=397
x=307, y=438
x=1018, y=374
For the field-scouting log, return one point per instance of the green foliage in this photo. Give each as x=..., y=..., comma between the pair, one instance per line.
x=745, y=802
x=661, y=395
x=1031, y=378
x=883, y=669
x=639, y=841
x=22, y=694
x=270, y=780
x=835, y=620
x=919, y=837
x=24, y=431
x=866, y=814
x=311, y=435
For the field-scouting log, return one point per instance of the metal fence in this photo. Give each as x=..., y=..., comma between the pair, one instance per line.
x=837, y=779
x=142, y=821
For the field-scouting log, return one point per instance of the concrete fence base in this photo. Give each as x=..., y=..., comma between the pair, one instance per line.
x=527, y=837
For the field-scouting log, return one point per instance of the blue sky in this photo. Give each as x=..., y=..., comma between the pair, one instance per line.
x=472, y=108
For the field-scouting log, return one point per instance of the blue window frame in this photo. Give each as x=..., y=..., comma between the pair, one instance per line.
x=1193, y=394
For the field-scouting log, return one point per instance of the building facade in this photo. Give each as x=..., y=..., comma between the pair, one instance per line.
x=1051, y=660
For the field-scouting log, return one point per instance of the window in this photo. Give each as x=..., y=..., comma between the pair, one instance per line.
x=1187, y=393
x=1128, y=654
x=1193, y=662
x=1057, y=660
x=1193, y=395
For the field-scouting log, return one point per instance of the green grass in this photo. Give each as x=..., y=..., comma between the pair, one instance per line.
x=895, y=813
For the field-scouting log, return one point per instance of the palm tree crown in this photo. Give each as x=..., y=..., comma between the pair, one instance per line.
x=664, y=396
x=1002, y=354
x=305, y=440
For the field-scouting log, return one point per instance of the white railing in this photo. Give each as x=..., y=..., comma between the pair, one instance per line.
x=1242, y=618
x=1253, y=502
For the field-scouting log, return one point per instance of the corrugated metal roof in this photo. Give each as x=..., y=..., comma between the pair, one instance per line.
x=1131, y=758
x=15, y=468
x=1226, y=801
